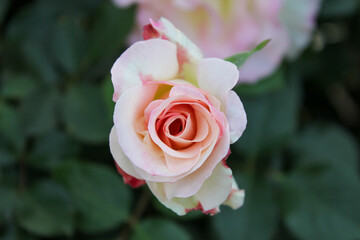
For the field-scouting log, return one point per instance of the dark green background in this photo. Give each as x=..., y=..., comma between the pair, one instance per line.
x=298, y=159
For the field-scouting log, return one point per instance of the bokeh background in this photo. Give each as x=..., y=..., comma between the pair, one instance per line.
x=298, y=159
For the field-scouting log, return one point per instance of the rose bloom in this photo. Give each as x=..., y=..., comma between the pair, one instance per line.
x=174, y=119
x=223, y=27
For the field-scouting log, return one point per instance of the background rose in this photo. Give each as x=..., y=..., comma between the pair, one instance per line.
x=222, y=28
x=174, y=119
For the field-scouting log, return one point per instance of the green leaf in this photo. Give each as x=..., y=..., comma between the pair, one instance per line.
x=8, y=203
x=11, y=128
x=69, y=45
x=240, y=58
x=323, y=206
x=272, y=83
x=256, y=220
x=51, y=149
x=85, y=115
x=37, y=58
x=6, y=158
x=101, y=197
x=16, y=85
x=38, y=111
x=47, y=211
x=272, y=120
x=112, y=26
x=159, y=229
x=328, y=146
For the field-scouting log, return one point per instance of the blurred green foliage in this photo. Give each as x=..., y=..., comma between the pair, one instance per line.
x=298, y=159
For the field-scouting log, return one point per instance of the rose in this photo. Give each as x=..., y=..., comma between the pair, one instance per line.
x=174, y=119
x=222, y=28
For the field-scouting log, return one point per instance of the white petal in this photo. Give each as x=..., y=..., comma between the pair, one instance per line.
x=216, y=188
x=120, y=158
x=170, y=32
x=151, y=60
x=217, y=77
x=236, y=116
x=236, y=197
x=178, y=205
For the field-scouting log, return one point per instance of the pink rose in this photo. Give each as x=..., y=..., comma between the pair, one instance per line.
x=222, y=28
x=174, y=120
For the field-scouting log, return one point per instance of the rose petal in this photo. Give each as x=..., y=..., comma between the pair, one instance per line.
x=217, y=77
x=121, y=160
x=236, y=116
x=127, y=110
x=128, y=179
x=191, y=184
x=236, y=196
x=189, y=152
x=152, y=60
x=216, y=188
x=168, y=31
x=178, y=205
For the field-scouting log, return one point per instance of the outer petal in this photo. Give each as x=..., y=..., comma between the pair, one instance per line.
x=236, y=116
x=121, y=160
x=299, y=19
x=236, y=197
x=216, y=188
x=217, y=77
x=152, y=60
x=178, y=205
x=213, y=192
x=168, y=31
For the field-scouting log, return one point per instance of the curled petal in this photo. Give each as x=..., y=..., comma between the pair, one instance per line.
x=166, y=30
x=236, y=197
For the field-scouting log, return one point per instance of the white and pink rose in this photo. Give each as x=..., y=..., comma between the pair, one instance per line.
x=223, y=27
x=174, y=120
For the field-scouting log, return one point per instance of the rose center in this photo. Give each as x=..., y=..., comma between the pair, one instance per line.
x=176, y=127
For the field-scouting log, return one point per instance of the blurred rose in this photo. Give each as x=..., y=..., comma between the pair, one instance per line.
x=174, y=120
x=223, y=27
